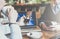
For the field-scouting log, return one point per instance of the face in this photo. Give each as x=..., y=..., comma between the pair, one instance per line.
x=29, y=13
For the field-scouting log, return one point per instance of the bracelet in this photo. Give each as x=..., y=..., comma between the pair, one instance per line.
x=9, y=23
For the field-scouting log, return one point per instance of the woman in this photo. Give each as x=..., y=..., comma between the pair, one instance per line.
x=51, y=13
x=11, y=14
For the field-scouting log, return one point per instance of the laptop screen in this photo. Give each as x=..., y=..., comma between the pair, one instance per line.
x=31, y=22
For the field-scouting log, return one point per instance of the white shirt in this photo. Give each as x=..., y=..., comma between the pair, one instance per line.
x=56, y=8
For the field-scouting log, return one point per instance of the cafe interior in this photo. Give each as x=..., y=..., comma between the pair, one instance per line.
x=42, y=19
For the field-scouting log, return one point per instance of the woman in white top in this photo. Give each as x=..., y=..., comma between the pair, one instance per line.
x=11, y=14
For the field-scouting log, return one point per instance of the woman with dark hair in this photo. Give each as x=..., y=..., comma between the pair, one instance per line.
x=51, y=13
